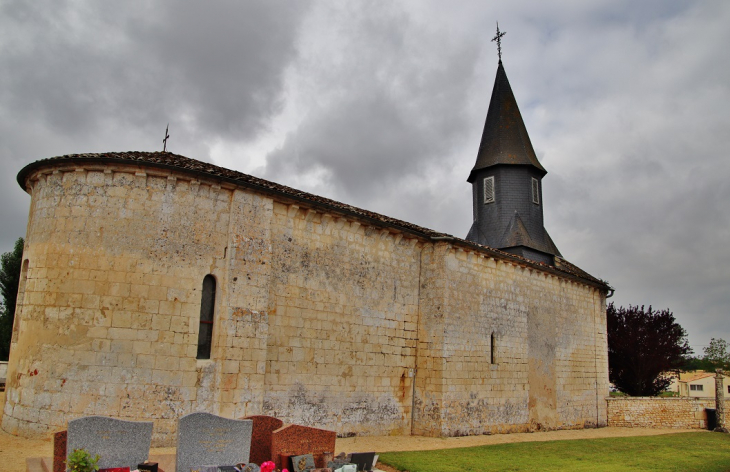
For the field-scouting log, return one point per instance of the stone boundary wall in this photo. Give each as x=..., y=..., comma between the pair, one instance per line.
x=658, y=412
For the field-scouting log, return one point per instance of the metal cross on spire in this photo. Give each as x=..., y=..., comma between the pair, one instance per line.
x=498, y=38
x=167, y=136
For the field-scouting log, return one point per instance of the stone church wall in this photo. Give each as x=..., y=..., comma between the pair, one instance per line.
x=107, y=321
x=548, y=361
x=321, y=318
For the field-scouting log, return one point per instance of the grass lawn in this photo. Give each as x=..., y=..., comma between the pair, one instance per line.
x=705, y=452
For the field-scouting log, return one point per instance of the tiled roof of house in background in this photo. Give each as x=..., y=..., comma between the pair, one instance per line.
x=692, y=376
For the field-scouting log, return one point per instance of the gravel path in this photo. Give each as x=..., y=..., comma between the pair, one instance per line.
x=14, y=450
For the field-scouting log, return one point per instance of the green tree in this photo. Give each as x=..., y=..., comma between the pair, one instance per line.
x=697, y=363
x=644, y=345
x=717, y=355
x=10, y=264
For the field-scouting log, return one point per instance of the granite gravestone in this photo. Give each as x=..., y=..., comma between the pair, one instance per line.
x=204, y=468
x=263, y=427
x=295, y=440
x=118, y=443
x=363, y=460
x=205, y=439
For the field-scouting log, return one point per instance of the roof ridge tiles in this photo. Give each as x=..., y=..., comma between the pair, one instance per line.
x=179, y=162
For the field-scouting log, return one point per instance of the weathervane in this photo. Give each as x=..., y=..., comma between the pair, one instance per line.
x=498, y=38
x=167, y=136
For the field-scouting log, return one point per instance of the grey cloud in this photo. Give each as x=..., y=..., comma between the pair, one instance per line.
x=388, y=109
x=214, y=67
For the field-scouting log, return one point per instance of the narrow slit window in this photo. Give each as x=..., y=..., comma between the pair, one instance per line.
x=489, y=189
x=19, y=302
x=207, y=309
x=535, y=191
x=493, y=350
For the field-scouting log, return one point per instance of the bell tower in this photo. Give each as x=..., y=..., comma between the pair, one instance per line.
x=507, y=180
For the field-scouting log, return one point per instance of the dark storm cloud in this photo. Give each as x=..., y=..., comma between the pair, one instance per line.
x=216, y=67
x=389, y=108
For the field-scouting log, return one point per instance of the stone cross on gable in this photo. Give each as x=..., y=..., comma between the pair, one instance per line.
x=167, y=136
x=498, y=38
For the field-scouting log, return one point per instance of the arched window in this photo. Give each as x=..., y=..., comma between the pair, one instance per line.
x=207, y=309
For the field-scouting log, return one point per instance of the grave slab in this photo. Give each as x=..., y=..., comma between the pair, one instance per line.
x=263, y=428
x=118, y=443
x=205, y=439
x=295, y=440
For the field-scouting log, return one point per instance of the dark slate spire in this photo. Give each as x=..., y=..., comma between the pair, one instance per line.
x=504, y=139
x=507, y=181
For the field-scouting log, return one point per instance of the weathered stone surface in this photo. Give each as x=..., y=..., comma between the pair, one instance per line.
x=205, y=439
x=326, y=318
x=659, y=412
x=118, y=443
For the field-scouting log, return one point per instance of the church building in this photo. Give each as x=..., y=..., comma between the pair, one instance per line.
x=154, y=285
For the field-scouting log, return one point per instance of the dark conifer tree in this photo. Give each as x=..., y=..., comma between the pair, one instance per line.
x=10, y=264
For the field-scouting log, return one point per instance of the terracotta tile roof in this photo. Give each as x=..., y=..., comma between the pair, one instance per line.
x=692, y=376
x=181, y=163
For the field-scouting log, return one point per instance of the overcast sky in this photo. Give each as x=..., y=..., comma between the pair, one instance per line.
x=381, y=104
